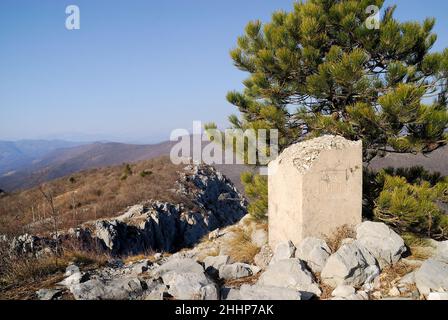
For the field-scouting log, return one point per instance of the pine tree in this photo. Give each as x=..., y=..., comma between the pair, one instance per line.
x=320, y=70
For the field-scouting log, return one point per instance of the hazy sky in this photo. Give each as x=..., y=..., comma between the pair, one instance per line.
x=136, y=69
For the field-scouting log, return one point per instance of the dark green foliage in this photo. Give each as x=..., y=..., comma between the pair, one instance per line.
x=411, y=200
x=320, y=70
x=256, y=187
x=72, y=180
x=414, y=207
x=145, y=173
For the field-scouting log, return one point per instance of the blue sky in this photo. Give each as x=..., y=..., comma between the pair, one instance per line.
x=136, y=69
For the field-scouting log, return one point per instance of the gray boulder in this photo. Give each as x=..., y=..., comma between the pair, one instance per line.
x=292, y=274
x=343, y=291
x=190, y=286
x=212, y=264
x=314, y=252
x=259, y=237
x=438, y=296
x=284, y=250
x=442, y=251
x=237, y=271
x=264, y=257
x=261, y=292
x=117, y=289
x=432, y=276
x=48, y=294
x=382, y=242
x=349, y=266
x=178, y=265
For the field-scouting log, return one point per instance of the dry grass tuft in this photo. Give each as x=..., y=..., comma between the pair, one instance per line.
x=241, y=248
x=237, y=283
x=334, y=240
x=392, y=274
x=325, y=288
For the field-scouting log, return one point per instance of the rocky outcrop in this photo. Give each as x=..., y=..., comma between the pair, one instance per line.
x=209, y=201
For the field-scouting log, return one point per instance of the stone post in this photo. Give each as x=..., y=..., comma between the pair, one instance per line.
x=315, y=187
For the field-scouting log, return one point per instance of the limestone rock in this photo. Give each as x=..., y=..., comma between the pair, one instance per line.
x=48, y=294
x=382, y=242
x=438, y=296
x=343, y=291
x=350, y=266
x=442, y=251
x=178, y=265
x=230, y=294
x=237, y=270
x=259, y=237
x=432, y=276
x=284, y=250
x=190, y=286
x=260, y=292
x=212, y=264
x=75, y=278
x=292, y=274
x=314, y=252
x=264, y=257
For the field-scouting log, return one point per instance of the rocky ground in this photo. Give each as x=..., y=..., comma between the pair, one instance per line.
x=368, y=266
x=208, y=249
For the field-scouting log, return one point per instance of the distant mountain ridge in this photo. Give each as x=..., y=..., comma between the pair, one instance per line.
x=18, y=154
x=28, y=163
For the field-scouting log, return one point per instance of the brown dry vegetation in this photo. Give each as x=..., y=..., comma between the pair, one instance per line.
x=88, y=195
x=335, y=239
x=241, y=247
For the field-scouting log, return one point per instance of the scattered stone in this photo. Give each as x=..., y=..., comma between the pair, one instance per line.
x=314, y=252
x=157, y=256
x=264, y=257
x=284, y=250
x=381, y=241
x=438, y=296
x=442, y=251
x=140, y=267
x=260, y=292
x=290, y=273
x=71, y=269
x=75, y=278
x=350, y=266
x=432, y=276
x=394, y=292
x=237, y=271
x=49, y=294
x=259, y=237
x=156, y=293
x=230, y=294
x=190, y=286
x=212, y=264
x=214, y=235
x=407, y=279
x=343, y=291
x=178, y=265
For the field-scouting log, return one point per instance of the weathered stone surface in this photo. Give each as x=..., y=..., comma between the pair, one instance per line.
x=117, y=289
x=75, y=278
x=314, y=187
x=438, y=296
x=190, y=286
x=283, y=250
x=260, y=292
x=432, y=276
x=264, y=257
x=442, y=251
x=230, y=294
x=237, y=270
x=352, y=265
x=48, y=294
x=178, y=265
x=259, y=237
x=314, y=252
x=290, y=273
x=343, y=291
x=212, y=264
x=71, y=269
x=382, y=242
